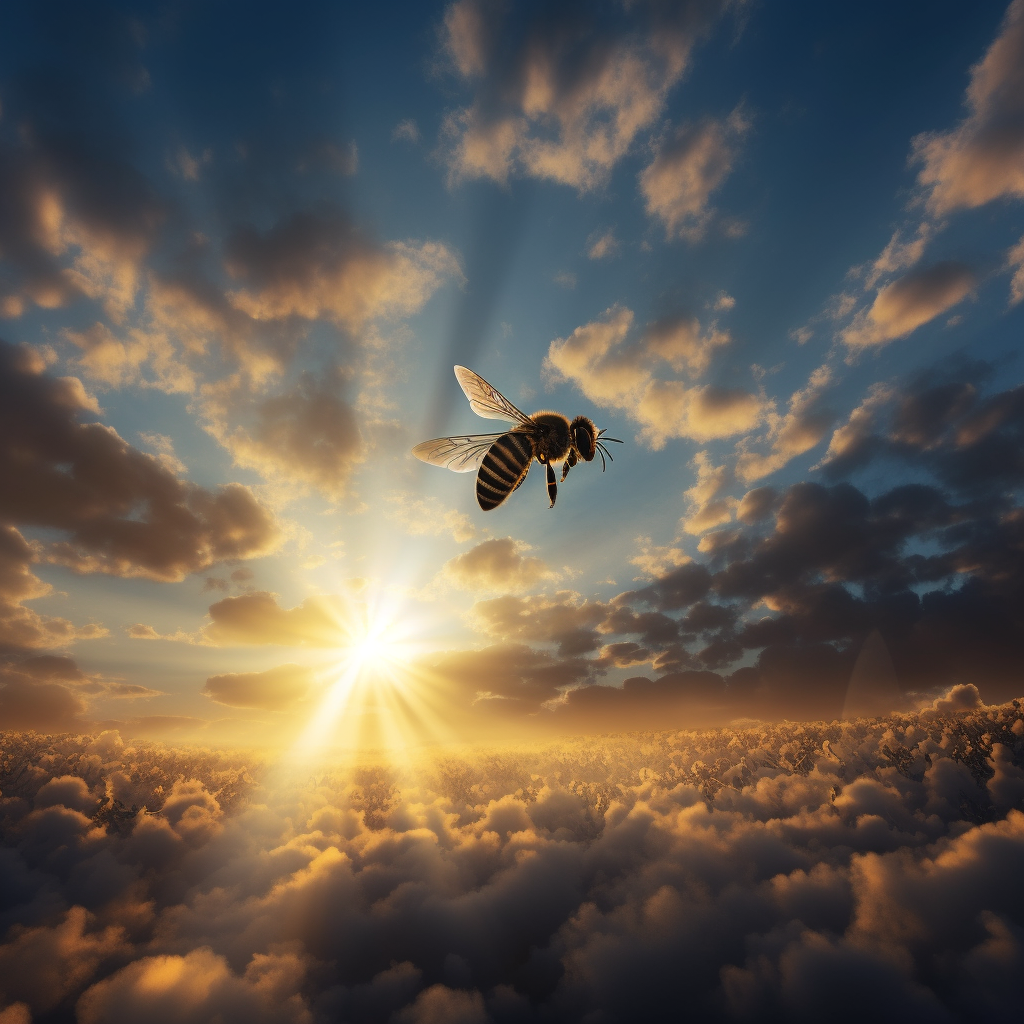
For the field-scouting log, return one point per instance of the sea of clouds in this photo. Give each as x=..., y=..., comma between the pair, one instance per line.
x=846, y=871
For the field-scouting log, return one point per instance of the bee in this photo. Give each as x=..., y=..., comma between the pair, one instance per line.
x=502, y=460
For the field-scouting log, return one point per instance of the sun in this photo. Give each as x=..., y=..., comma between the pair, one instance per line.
x=376, y=692
x=377, y=643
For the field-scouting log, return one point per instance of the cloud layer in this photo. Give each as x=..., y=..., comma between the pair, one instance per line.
x=755, y=874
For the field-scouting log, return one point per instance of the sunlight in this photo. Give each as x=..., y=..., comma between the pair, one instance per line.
x=376, y=693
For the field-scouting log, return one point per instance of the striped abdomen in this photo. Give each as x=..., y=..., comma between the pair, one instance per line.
x=506, y=463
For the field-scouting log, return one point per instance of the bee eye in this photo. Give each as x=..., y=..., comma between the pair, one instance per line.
x=584, y=438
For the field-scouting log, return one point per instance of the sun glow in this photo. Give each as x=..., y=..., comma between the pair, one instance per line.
x=377, y=691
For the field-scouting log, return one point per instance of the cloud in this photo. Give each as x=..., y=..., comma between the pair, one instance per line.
x=562, y=618
x=31, y=701
x=680, y=343
x=899, y=254
x=1015, y=262
x=421, y=517
x=669, y=409
x=709, y=505
x=756, y=505
x=75, y=222
x=504, y=681
x=257, y=618
x=982, y=158
x=850, y=440
x=686, y=169
x=563, y=98
x=806, y=422
x=909, y=302
x=307, y=436
x=499, y=564
x=602, y=244
x=23, y=628
x=753, y=870
x=942, y=421
x=406, y=131
x=198, y=985
x=121, y=511
x=317, y=264
x=657, y=559
x=276, y=689
x=616, y=372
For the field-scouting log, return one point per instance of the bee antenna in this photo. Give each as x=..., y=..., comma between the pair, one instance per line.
x=615, y=439
x=604, y=451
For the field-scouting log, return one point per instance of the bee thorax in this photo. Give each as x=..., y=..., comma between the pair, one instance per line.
x=553, y=440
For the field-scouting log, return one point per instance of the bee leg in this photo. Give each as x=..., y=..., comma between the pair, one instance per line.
x=570, y=461
x=552, y=486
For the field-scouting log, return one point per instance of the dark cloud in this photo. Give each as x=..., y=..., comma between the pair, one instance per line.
x=758, y=873
x=678, y=588
x=122, y=511
x=943, y=422
x=508, y=680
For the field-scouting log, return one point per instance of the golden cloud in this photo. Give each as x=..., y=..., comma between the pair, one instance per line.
x=499, y=564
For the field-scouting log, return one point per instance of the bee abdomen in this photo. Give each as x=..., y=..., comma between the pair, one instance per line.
x=506, y=463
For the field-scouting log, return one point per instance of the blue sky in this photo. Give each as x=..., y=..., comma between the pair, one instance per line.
x=777, y=250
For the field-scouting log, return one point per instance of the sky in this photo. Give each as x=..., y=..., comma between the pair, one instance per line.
x=777, y=250
x=292, y=732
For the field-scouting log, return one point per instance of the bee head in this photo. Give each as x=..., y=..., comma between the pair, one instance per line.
x=584, y=437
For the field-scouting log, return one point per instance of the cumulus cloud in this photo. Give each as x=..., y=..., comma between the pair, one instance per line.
x=276, y=689
x=982, y=158
x=670, y=409
x=754, y=872
x=565, y=98
x=687, y=167
x=657, y=559
x=120, y=511
x=909, y=302
x=500, y=564
x=257, y=618
x=563, y=618
x=617, y=371
x=318, y=264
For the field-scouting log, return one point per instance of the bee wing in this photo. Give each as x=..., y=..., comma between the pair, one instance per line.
x=459, y=454
x=487, y=401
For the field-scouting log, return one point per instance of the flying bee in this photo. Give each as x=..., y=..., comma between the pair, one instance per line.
x=502, y=460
